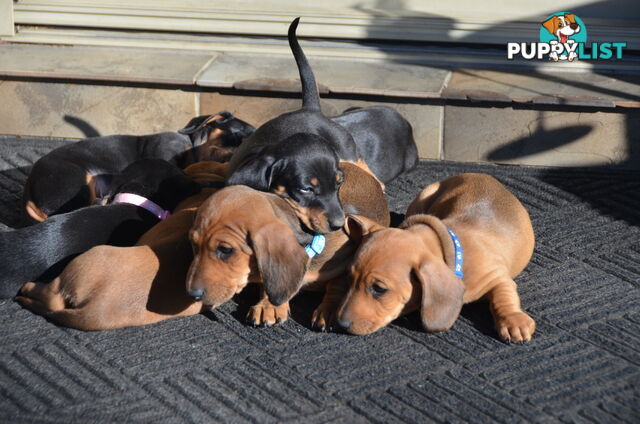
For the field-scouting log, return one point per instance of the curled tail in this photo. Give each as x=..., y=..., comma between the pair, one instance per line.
x=310, y=96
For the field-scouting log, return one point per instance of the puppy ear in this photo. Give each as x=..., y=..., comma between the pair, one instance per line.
x=281, y=260
x=358, y=226
x=198, y=123
x=551, y=25
x=235, y=130
x=257, y=173
x=442, y=294
x=570, y=17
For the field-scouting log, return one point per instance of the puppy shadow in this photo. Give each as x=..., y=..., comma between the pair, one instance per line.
x=476, y=314
x=301, y=306
x=396, y=219
x=12, y=213
x=244, y=300
x=210, y=316
x=539, y=141
x=87, y=129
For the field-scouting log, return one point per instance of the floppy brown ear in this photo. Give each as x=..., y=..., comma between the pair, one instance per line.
x=358, y=226
x=551, y=25
x=281, y=260
x=570, y=17
x=442, y=294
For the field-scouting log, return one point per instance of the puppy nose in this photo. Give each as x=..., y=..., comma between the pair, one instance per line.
x=574, y=26
x=344, y=323
x=336, y=224
x=196, y=294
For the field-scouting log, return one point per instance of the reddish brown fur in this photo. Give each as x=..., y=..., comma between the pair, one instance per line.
x=259, y=227
x=414, y=262
x=113, y=287
x=213, y=149
x=35, y=212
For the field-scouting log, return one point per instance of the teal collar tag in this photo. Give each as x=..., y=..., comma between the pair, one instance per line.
x=316, y=246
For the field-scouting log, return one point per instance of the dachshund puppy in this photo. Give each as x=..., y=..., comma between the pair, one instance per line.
x=215, y=137
x=77, y=174
x=383, y=137
x=464, y=238
x=113, y=287
x=241, y=235
x=296, y=154
x=145, y=193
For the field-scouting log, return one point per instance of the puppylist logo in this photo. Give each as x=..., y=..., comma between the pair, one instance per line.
x=563, y=36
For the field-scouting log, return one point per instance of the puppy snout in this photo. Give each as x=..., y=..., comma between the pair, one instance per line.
x=197, y=294
x=345, y=324
x=573, y=26
x=337, y=222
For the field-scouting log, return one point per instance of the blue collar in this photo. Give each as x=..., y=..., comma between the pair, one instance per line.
x=457, y=269
x=316, y=246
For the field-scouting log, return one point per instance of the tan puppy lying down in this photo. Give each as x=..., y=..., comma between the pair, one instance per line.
x=111, y=287
x=400, y=270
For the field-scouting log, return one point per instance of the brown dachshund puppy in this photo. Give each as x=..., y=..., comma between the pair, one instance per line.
x=418, y=266
x=113, y=287
x=242, y=235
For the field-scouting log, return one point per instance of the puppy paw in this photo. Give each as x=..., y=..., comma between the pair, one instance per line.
x=266, y=315
x=516, y=327
x=324, y=317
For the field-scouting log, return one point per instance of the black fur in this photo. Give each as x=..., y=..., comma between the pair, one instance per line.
x=384, y=139
x=39, y=252
x=293, y=139
x=234, y=130
x=57, y=182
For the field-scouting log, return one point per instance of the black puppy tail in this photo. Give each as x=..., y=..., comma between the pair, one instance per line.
x=310, y=96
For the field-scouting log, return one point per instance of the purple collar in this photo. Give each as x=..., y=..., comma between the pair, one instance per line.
x=143, y=202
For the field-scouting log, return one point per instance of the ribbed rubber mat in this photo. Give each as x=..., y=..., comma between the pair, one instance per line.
x=582, y=288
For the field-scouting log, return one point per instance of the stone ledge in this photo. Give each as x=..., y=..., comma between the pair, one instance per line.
x=559, y=88
x=342, y=76
x=47, y=109
x=103, y=64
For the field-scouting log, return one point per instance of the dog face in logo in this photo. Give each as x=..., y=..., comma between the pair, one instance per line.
x=562, y=27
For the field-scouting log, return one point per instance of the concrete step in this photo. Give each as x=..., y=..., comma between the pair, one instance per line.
x=497, y=115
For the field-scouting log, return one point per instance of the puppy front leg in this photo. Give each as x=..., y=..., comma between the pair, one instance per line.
x=324, y=316
x=511, y=322
x=265, y=314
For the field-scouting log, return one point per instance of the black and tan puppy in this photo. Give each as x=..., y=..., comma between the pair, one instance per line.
x=77, y=174
x=41, y=250
x=384, y=139
x=296, y=154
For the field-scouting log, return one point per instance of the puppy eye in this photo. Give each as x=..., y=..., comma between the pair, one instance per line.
x=223, y=251
x=377, y=290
